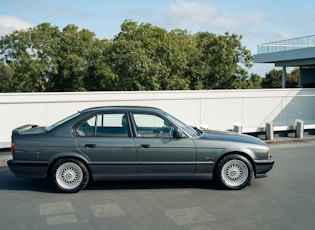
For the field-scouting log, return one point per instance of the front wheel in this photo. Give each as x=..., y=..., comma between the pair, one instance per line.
x=69, y=175
x=233, y=172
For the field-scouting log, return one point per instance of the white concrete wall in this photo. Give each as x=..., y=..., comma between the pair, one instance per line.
x=219, y=109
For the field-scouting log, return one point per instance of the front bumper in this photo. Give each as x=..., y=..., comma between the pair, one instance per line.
x=28, y=168
x=263, y=166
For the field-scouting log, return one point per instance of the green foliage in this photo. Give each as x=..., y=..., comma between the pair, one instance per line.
x=6, y=78
x=145, y=57
x=273, y=79
x=254, y=82
x=140, y=57
x=218, y=65
x=99, y=75
x=73, y=53
x=293, y=79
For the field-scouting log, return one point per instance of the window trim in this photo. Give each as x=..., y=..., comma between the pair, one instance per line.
x=96, y=115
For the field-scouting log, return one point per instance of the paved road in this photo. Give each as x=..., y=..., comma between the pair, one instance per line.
x=285, y=199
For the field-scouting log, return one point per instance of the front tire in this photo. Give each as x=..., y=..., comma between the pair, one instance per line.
x=233, y=172
x=69, y=175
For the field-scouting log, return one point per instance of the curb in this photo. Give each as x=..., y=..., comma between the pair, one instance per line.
x=288, y=140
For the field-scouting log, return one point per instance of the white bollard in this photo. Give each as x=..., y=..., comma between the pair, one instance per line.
x=237, y=128
x=299, y=128
x=269, y=130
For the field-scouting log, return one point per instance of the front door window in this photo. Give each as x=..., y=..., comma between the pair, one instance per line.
x=150, y=125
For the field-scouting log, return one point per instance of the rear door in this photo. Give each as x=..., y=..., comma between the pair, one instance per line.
x=106, y=139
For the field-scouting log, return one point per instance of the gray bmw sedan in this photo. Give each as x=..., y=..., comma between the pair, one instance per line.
x=134, y=143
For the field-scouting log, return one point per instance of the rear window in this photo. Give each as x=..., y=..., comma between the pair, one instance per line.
x=62, y=121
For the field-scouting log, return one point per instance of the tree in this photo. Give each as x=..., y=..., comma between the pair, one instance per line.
x=29, y=54
x=147, y=57
x=6, y=78
x=44, y=58
x=292, y=80
x=131, y=57
x=175, y=54
x=100, y=75
x=220, y=61
x=71, y=63
x=254, y=82
x=273, y=79
x=140, y=57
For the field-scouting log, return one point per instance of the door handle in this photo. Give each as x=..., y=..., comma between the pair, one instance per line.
x=90, y=145
x=144, y=146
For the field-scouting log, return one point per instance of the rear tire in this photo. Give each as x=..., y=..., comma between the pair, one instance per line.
x=69, y=175
x=233, y=172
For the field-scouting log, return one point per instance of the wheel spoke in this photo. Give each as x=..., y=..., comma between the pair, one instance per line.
x=69, y=175
x=235, y=172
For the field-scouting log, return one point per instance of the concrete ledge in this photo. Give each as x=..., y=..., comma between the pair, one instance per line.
x=4, y=145
x=3, y=160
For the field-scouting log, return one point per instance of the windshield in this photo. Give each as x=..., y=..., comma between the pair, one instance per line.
x=186, y=128
x=62, y=121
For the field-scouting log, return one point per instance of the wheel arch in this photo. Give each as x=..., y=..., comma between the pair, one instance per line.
x=70, y=155
x=241, y=153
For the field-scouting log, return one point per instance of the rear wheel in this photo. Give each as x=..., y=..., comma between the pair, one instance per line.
x=233, y=172
x=69, y=175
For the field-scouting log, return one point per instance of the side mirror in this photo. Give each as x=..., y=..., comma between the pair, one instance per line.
x=178, y=133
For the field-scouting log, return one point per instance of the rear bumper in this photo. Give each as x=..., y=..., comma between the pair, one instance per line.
x=28, y=169
x=263, y=166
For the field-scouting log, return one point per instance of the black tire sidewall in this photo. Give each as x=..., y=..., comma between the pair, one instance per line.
x=218, y=177
x=62, y=161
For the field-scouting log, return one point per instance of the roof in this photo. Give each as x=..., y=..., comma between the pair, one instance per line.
x=290, y=52
x=298, y=57
x=119, y=107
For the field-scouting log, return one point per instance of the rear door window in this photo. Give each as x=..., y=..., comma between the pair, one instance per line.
x=105, y=125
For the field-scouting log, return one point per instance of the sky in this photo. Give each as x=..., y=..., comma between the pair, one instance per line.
x=258, y=21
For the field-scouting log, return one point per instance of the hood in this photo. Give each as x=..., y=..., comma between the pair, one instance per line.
x=231, y=136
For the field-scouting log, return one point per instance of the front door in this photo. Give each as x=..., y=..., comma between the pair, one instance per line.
x=158, y=152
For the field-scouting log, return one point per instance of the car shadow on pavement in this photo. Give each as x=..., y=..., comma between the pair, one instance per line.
x=11, y=182
x=152, y=184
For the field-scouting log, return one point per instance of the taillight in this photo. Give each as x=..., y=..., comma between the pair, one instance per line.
x=12, y=148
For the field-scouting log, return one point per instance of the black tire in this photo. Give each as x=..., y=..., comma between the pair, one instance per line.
x=69, y=175
x=233, y=172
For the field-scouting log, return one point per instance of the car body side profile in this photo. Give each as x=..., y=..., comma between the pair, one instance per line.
x=134, y=143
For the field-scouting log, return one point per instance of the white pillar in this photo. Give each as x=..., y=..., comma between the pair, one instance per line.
x=284, y=76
